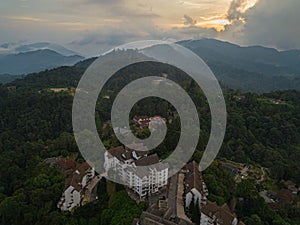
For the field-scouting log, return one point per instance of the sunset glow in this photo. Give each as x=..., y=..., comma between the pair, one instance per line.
x=94, y=22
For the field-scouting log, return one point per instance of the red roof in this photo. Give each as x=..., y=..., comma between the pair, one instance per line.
x=66, y=164
x=220, y=214
x=77, y=175
x=285, y=196
x=193, y=177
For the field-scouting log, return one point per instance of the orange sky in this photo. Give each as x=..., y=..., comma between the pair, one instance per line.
x=105, y=21
x=86, y=14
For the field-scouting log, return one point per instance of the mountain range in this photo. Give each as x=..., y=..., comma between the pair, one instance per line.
x=254, y=68
x=15, y=48
x=21, y=59
x=254, y=58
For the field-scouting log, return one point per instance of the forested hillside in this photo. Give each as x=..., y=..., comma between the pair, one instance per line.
x=36, y=124
x=253, y=68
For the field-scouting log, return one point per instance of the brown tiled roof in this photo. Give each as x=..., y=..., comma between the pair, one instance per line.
x=66, y=164
x=274, y=206
x=123, y=154
x=210, y=208
x=193, y=177
x=141, y=165
x=226, y=217
x=117, y=151
x=285, y=196
x=154, y=216
x=76, y=178
x=83, y=167
x=225, y=207
x=147, y=161
x=222, y=214
x=120, y=153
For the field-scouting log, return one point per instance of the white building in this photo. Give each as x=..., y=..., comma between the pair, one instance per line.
x=195, y=191
x=70, y=199
x=136, y=169
x=147, y=180
x=75, y=184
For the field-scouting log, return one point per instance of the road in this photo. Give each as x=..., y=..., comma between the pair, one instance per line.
x=263, y=176
x=172, y=195
x=180, y=202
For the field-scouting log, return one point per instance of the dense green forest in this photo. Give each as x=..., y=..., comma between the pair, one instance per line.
x=35, y=124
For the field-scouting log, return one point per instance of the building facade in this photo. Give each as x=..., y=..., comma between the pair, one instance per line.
x=136, y=169
x=76, y=181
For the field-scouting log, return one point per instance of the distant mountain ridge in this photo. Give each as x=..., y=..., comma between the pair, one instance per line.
x=35, y=61
x=15, y=48
x=253, y=68
x=253, y=58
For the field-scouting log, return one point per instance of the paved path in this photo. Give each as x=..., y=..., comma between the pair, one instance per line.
x=263, y=176
x=172, y=195
x=180, y=203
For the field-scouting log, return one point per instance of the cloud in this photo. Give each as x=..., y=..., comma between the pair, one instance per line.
x=106, y=36
x=235, y=11
x=107, y=23
x=273, y=23
x=95, y=42
x=104, y=1
x=238, y=8
x=99, y=2
x=26, y=18
x=191, y=32
x=189, y=20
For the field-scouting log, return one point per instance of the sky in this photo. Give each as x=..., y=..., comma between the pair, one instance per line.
x=93, y=26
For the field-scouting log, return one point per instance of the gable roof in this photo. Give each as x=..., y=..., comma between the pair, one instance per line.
x=285, y=196
x=77, y=176
x=193, y=177
x=147, y=161
x=156, y=216
x=222, y=214
x=142, y=167
x=66, y=164
x=123, y=154
x=210, y=208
